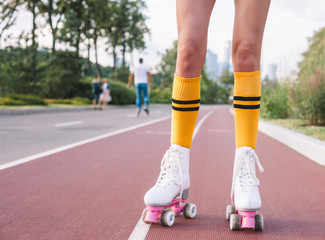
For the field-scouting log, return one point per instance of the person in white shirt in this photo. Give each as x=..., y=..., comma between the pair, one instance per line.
x=141, y=75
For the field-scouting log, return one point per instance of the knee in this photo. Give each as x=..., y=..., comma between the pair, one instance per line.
x=246, y=57
x=190, y=56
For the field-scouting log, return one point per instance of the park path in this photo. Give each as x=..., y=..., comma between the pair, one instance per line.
x=95, y=191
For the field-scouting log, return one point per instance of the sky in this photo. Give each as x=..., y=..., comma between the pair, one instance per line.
x=289, y=25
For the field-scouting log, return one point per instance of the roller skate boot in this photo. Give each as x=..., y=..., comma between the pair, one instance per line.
x=167, y=197
x=243, y=212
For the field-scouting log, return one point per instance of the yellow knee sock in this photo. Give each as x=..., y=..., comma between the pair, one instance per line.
x=185, y=108
x=247, y=96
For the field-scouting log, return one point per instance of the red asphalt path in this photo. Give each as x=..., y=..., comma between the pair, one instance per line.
x=95, y=191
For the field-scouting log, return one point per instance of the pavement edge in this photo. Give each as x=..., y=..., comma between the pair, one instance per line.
x=311, y=148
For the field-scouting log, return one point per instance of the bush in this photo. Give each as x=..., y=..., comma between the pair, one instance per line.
x=275, y=101
x=309, y=97
x=120, y=94
x=309, y=93
x=121, y=74
x=73, y=101
x=22, y=99
x=158, y=95
x=61, y=77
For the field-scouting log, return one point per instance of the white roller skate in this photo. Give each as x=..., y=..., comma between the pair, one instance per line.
x=171, y=189
x=245, y=191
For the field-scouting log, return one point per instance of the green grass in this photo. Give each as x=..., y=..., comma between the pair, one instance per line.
x=300, y=126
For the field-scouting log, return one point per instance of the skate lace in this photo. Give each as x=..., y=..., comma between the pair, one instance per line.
x=244, y=171
x=170, y=170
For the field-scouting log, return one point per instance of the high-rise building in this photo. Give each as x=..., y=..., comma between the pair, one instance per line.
x=225, y=65
x=271, y=72
x=211, y=65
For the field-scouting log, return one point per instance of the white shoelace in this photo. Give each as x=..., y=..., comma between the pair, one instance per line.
x=170, y=169
x=243, y=170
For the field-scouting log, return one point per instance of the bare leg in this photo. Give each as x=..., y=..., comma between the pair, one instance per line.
x=250, y=18
x=193, y=18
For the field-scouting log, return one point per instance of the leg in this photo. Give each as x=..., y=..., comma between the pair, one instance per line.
x=138, y=98
x=192, y=22
x=145, y=97
x=250, y=17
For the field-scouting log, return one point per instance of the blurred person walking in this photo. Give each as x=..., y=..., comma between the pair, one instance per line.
x=141, y=75
x=96, y=88
x=105, y=96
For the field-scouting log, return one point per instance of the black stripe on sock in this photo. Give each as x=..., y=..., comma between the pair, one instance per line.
x=247, y=98
x=185, y=109
x=185, y=102
x=246, y=106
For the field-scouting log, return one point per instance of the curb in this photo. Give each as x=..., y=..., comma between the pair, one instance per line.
x=36, y=110
x=311, y=148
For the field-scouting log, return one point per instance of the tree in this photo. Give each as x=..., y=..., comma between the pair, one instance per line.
x=54, y=10
x=127, y=27
x=8, y=15
x=98, y=15
x=74, y=24
x=309, y=93
x=134, y=37
x=167, y=66
x=227, y=78
x=34, y=7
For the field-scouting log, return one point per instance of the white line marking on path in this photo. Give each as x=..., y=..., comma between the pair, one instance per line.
x=67, y=124
x=141, y=230
x=63, y=148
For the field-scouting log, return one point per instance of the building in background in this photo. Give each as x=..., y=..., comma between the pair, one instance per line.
x=271, y=72
x=214, y=69
x=211, y=65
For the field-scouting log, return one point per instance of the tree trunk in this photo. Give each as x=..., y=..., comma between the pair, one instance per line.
x=123, y=54
x=99, y=72
x=114, y=58
x=88, y=57
x=78, y=42
x=34, y=44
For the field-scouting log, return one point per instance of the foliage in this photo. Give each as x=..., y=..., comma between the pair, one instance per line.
x=213, y=92
x=73, y=24
x=72, y=101
x=167, y=66
x=61, y=78
x=227, y=78
x=309, y=94
x=158, y=95
x=7, y=15
x=126, y=27
x=15, y=71
x=21, y=99
x=121, y=74
x=120, y=94
x=275, y=101
x=302, y=126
